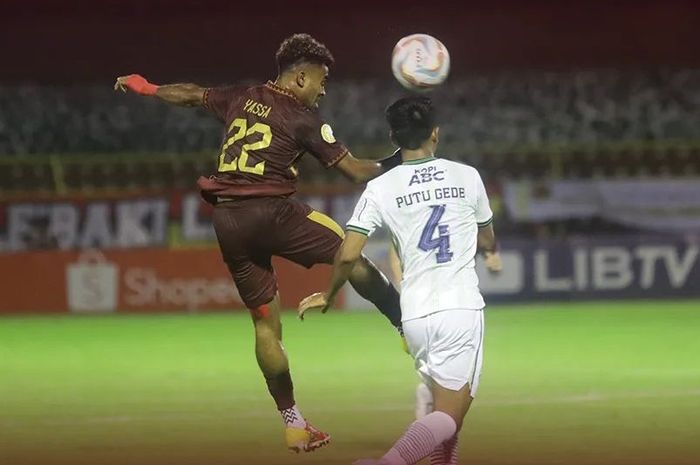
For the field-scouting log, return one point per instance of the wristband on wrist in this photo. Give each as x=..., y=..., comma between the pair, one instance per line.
x=149, y=89
x=140, y=85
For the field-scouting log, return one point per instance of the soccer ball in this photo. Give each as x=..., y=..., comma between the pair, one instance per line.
x=420, y=62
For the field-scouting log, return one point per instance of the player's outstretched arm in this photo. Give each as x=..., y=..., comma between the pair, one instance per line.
x=357, y=170
x=362, y=170
x=188, y=95
x=349, y=252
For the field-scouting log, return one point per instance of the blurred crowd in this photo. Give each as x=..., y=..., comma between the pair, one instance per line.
x=504, y=110
x=539, y=108
x=536, y=126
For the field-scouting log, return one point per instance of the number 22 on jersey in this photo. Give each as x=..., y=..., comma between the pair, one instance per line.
x=240, y=162
x=442, y=242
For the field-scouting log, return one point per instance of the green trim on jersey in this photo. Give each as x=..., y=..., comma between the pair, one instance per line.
x=419, y=161
x=485, y=223
x=358, y=229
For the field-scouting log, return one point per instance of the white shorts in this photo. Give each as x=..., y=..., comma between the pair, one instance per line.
x=447, y=347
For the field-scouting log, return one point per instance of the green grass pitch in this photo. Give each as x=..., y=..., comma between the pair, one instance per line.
x=593, y=383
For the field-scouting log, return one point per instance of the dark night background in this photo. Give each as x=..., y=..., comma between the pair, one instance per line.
x=216, y=41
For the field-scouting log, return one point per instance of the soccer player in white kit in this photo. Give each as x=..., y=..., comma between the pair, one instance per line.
x=439, y=216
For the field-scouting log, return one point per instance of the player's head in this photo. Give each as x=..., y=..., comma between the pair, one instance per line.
x=302, y=64
x=412, y=123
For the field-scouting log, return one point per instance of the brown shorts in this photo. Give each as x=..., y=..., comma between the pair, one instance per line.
x=251, y=231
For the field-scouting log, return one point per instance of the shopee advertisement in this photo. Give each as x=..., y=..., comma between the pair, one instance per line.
x=93, y=281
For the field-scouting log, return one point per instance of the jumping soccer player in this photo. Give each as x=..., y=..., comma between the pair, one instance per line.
x=439, y=215
x=269, y=127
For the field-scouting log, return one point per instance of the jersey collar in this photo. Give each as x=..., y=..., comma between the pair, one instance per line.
x=418, y=161
x=274, y=87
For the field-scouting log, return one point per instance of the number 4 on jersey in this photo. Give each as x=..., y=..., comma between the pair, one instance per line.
x=442, y=242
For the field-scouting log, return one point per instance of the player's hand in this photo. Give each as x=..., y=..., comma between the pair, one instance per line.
x=135, y=83
x=493, y=262
x=317, y=301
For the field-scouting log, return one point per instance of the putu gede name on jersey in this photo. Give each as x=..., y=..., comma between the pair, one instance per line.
x=429, y=174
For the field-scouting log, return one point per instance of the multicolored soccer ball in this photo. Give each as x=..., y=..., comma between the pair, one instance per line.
x=420, y=62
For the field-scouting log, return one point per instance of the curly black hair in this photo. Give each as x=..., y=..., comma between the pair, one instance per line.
x=411, y=120
x=300, y=48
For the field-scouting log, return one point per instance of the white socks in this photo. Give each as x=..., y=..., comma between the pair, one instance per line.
x=424, y=401
x=293, y=418
x=421, y=438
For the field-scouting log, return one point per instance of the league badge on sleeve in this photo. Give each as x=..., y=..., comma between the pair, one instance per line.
x=327, y=133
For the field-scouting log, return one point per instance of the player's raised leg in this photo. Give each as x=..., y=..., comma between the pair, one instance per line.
x=310, y=238
x=374, y=286
x=274, y=364
x=245, y=251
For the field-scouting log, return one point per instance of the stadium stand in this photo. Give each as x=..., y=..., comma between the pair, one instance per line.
x=535, y=125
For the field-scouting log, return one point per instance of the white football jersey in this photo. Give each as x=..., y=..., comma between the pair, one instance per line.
x=433, y=208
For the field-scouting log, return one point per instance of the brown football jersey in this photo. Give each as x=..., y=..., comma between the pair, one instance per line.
x=267, y=130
